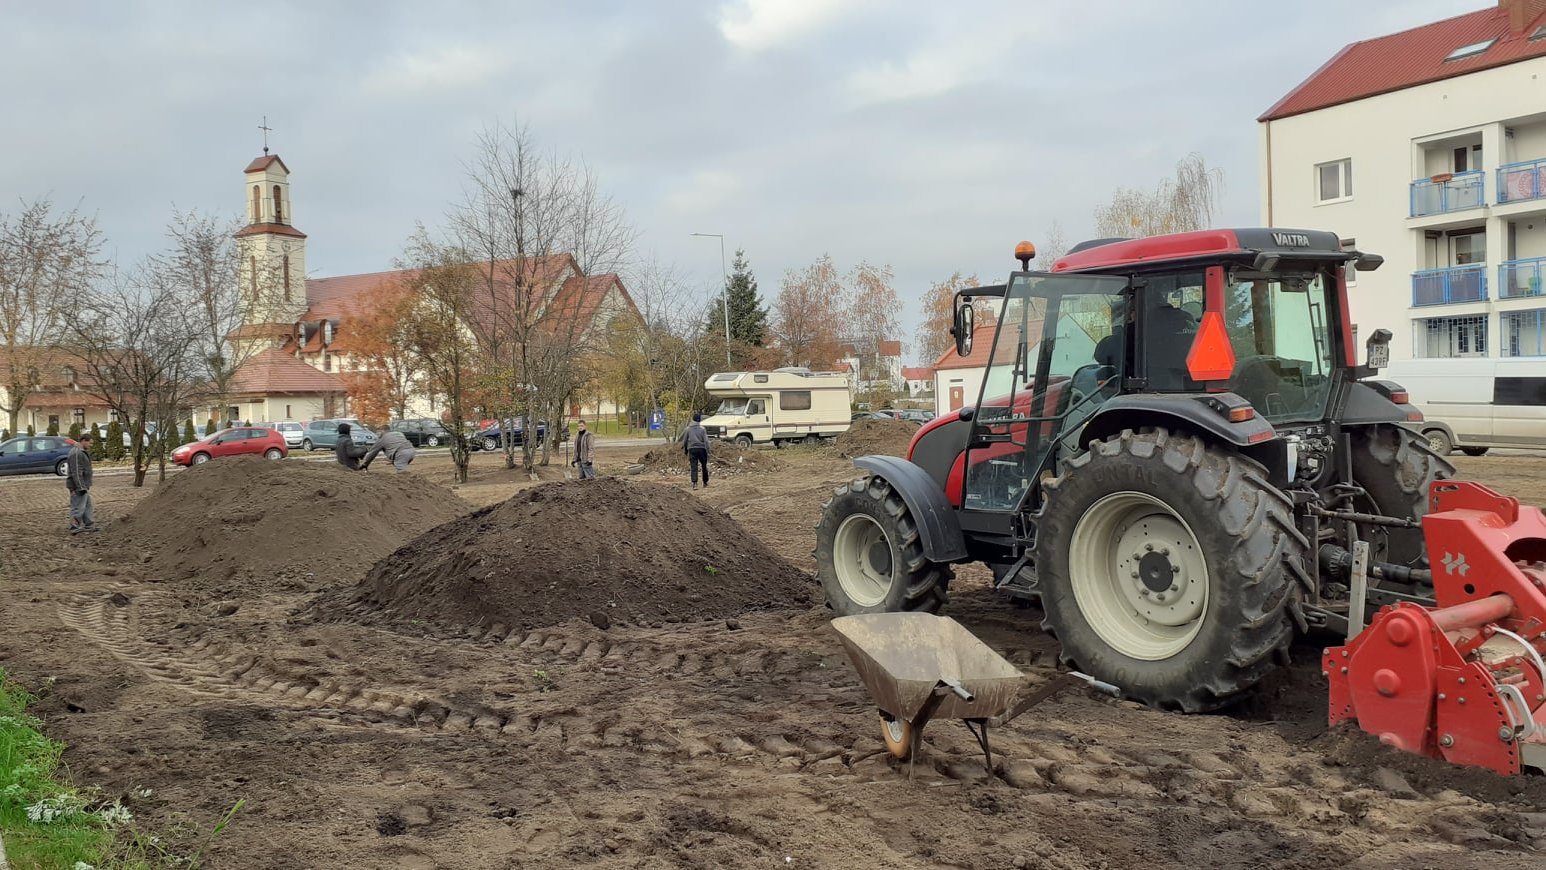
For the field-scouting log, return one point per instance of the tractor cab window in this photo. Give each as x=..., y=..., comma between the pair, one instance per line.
x=1172, y=308
x=1057, y=355
x=1278, y=325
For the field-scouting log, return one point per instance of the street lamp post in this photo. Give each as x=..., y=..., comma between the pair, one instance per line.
x=724, y=292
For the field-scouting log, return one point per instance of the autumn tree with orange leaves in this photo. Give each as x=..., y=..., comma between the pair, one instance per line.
x=381, y=342
x=807, y=315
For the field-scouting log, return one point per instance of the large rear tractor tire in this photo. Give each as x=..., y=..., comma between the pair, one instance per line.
x=1164, y=568
x=1395, y=466
x=869, y=557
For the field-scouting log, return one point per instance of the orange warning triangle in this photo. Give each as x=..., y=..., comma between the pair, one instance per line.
x=1211, y=357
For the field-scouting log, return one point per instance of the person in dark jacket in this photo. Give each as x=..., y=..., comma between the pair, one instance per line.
x=395, y=447
x=695, y=443
x=582, y=453
x=347, y=453
x=77, y=479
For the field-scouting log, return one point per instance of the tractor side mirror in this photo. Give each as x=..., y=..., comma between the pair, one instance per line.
x=1378, y=349
x=1368, y=262
x=962, y=328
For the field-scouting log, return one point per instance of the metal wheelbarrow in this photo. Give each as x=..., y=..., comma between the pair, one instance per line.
x=919, y=666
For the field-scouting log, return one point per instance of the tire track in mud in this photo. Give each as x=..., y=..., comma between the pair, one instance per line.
x=1042, y=753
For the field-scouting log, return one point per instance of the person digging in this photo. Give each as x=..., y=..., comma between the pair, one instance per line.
x=395, y=446
x=77, y=479
x=346, y=451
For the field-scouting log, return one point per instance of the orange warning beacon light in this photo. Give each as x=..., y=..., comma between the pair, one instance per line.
x=1025, y=252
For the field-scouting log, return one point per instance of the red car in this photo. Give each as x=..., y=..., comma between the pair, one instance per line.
x=237, y=441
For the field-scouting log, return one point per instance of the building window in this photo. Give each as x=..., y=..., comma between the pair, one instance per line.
x=1446, y=337
x=1334, y=181
x=78, y=416
x=288, y=415
x=287, y=277
x=53, y=422
x=252, y=276
x=1348, y=247
x=327, y=362
x=279, y=215
x=257, y=204
x=1524, y=332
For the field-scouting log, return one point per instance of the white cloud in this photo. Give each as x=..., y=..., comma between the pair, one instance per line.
x=455, y=66
x=755, y=25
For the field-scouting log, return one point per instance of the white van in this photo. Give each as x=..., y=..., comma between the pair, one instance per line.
x=1474, y=403
x=786, y=405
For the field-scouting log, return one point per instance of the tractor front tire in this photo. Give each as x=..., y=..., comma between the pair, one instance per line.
x=1164, y=568
x=1395, y=466
x=869, y=557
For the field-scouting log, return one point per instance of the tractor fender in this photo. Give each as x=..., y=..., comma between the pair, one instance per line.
x=1369, y=402
x=1203, y=414
x=939, y=528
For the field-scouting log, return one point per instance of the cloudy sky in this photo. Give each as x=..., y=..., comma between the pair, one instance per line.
x=930, y=136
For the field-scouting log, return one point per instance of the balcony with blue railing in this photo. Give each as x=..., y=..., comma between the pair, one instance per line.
x=1520, y=278
x=1518, y=182
x=1443, y=194
x=1451, y=285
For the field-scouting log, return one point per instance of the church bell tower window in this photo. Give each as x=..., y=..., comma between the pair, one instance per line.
x=279, y=215
x=257, y=204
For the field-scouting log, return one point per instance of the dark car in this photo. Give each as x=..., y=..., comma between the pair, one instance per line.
x=492, y=438
x=35, y=454
x=422, y=432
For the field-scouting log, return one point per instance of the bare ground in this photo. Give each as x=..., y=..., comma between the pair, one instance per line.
x=742, y=742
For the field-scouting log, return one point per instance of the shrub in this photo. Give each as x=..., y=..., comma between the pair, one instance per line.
x=188, y=436
x=113, y=446
x=30, y=431
x=75, y=431
x=53, y=428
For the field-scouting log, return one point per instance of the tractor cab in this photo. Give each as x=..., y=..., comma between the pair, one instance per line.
x=1241, y=332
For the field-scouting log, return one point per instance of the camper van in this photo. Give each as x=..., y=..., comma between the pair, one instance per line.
x=1476, y=403
x=782, y=406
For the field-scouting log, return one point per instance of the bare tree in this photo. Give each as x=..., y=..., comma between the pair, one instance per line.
x=939, y=314
x=202, y=267
x=872, y=317
x=135, y=347
x=1180, y=204
x=535, y=220
x=47, y=260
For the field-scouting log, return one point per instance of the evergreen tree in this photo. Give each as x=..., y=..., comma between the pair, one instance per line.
x=213, y=427
x=53, y=428
x=748, y=315
x=75, y=431
x=188, y=436
x=113, y=449
x=30, y=431
x=5, y=434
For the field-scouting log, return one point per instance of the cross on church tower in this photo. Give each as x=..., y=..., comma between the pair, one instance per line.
x=266, y=130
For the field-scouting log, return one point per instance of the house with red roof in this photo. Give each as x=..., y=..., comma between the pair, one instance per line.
x=297, y=334
x=920, y=381
x=1427, y=146
x=884, y=369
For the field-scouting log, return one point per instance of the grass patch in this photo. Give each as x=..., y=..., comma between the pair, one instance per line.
x=44, y=822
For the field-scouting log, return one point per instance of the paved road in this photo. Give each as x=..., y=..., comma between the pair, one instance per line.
x=435, y=455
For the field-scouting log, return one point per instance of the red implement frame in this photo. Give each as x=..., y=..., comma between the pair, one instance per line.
x=1462, y=681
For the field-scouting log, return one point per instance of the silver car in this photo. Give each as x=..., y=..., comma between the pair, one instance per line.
x=294, y=433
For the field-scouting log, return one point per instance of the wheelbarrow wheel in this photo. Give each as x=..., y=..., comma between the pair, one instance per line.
x=898, y=735
x=869, y=556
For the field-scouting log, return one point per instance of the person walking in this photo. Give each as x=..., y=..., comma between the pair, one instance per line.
x=695, y=443
x=345, y=451
x=582, y=452
x=396, y=447
x=77, y=479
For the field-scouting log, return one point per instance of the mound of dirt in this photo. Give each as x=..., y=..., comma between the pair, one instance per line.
x=612, y=549
x=723, y=459
x=251, y=517
x=871, y=437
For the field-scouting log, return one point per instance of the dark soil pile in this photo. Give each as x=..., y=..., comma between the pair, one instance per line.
x=251, y=517
x=723, y=459
x=612, y=549
x=871, y=437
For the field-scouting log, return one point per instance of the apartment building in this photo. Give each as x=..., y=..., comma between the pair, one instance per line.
x=1429, y=147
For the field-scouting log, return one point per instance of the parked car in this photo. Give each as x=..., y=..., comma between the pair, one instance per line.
x=492, y=438
x=34, y=454
x=292, y=431
x=239, y=441
x=422, y=431
x=323, y=434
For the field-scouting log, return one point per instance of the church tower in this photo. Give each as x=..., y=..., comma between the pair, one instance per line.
x=273, y=251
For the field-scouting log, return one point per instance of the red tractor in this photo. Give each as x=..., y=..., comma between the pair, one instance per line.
x=1174, y=451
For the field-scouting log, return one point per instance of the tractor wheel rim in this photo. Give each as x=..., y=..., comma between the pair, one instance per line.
x=862, y=572
x=1139, y=576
